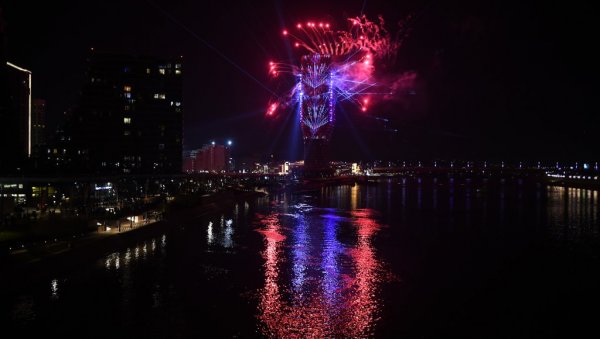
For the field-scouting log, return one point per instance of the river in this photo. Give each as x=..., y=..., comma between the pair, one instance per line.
x=414, y=257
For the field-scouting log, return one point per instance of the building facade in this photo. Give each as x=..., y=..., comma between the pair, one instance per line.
x=15, y=118
x=38, y=123
x=38, y=131
x=210, y=158
x=129, y=119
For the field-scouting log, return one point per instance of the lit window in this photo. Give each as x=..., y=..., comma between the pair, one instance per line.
x=160, y=96
x=127, y=107
x=177, y=103
x=161, y=70
x=147, y=70
x=127, y=133
x=177, y=66
x=177, y=71
x=127, y=88
x=128, y=95
x=127, y=121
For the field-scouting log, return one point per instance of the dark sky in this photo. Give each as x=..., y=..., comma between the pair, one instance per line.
x=495, y=79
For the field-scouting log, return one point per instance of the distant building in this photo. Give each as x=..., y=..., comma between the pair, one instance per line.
x=15, y=117
x=129, y=119
x=210, y=158
x=38, y=130
x=38, y=123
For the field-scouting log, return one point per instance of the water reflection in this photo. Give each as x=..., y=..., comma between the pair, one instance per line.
x=321, y=271
x=54, y=289
x=221, y=235
x=573, y=213
x=140, y=252
x=209, y=233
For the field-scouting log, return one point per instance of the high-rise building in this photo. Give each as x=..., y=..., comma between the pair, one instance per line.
x=130, y=115
x=4, y=100
x=15, y=117
x=38, y=123
x=210, y=158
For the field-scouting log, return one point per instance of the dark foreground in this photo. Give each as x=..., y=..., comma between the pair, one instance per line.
x=397, y=258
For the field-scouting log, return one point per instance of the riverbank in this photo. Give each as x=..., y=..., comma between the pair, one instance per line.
x=27, y=264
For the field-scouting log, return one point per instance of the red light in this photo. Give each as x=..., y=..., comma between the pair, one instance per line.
x=299, y=25
x=327, y=25
x=364, y=109
x=297, y=44
x=366, y=101
x=272, y=109
x=320, y=24
x=285, y=32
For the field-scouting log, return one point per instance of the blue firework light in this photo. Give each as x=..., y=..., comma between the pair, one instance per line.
x=334, y=67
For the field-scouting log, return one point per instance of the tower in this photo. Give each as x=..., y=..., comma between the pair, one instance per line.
x=317, y=103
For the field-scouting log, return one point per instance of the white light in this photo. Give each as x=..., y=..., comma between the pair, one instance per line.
x=229, y=142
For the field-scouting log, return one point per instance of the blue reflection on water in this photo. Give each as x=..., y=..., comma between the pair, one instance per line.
x=319, y=282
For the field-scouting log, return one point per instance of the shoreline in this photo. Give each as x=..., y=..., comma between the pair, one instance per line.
x=42, y=263
x=16, y=271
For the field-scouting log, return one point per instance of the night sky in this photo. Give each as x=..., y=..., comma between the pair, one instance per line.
x=509, y=80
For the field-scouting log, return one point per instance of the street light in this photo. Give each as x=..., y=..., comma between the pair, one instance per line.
x=229, y=142
x=213, y=143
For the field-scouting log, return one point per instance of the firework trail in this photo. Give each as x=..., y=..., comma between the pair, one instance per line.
x=336, y=66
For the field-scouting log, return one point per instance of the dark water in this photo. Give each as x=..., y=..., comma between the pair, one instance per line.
x=413, y=258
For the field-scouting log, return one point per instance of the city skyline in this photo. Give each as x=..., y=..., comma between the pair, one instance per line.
x=492, y=81
x=317, y=168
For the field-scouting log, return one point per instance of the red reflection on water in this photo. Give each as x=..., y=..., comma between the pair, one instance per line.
x=337, y=295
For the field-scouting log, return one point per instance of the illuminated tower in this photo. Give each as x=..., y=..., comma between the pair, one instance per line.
x=317, y=104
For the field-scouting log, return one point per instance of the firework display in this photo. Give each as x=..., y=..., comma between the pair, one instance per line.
x=335, y=67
